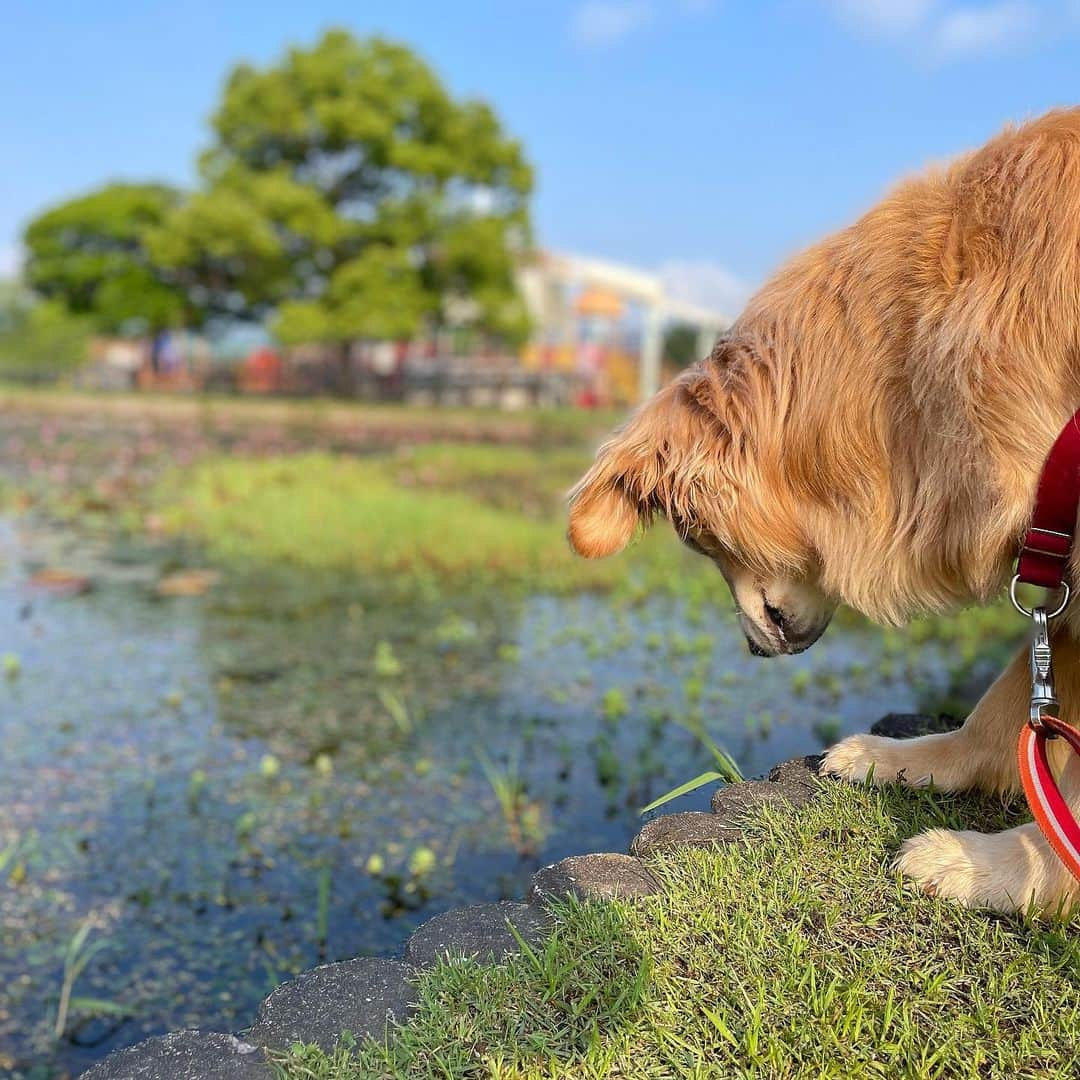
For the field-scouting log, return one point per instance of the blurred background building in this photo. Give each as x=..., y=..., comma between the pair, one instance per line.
x=608, y=324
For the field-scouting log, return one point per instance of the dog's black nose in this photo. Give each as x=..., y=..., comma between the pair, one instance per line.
x=776, y=616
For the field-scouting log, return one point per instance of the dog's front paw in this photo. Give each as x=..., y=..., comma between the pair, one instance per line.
x=872, y=757
x=943, y=760
x=1009, y=871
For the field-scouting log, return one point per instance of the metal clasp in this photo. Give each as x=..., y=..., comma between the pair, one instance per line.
x=1044, y=699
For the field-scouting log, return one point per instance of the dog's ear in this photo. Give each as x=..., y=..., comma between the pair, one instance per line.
x=603, y=515
x=646, y=467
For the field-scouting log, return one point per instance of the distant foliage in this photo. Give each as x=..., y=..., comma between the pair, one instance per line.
x=39, y=340
x=90, y=256
x=681, y=345
x=346, y=195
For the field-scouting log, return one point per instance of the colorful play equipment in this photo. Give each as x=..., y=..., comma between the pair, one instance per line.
x=604, y=323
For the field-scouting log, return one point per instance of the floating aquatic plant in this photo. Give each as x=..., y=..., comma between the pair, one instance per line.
x=522, y=816
x=614, y=704
x=387, y=665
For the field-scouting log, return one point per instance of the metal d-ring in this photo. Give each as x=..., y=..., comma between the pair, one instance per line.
x=1027, y=611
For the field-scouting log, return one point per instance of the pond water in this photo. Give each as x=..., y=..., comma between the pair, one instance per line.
x=225, y=790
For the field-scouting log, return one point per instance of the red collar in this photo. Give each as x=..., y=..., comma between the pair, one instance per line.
x=1044, y=558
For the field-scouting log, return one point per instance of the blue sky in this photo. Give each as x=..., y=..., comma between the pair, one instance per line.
x=707, y=139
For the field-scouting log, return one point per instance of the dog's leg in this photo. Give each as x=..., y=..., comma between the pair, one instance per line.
x=981, y=754
x=1015, y=870
x=1010, y=871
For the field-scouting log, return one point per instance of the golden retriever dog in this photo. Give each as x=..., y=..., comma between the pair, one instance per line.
x=871, y=432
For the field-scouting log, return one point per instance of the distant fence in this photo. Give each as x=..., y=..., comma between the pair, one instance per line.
x=511, y=388
x=420, y=383
x=379, y=372
x=22, y=376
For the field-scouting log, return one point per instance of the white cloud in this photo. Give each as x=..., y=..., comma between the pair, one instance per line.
x=599, y=23
x=983, y=29
x=884, y=16
x=707, y=284
x=10, y=261
x=944, y=31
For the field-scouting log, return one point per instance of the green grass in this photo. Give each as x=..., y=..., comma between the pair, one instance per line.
x=526, y=479
x=319, y=513
x=446, y=514
x=796, y=955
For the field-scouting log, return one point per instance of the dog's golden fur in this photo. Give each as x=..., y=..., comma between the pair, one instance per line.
x=872, y=430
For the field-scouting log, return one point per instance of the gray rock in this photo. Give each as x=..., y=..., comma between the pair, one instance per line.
x=479, y=931
x=184, y=1055
x=736, y=801
x=689, y=829
x=359, y=996
x=604, y=876
x=798, y=773
x=909, y=725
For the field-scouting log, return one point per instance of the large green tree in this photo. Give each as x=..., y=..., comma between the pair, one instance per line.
x=349, y=194
x=90, y=256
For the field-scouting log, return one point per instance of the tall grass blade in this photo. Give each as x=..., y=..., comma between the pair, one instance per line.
x=684, y=789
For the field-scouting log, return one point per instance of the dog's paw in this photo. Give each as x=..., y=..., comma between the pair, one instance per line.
x=872, y=757
x=1009, y=871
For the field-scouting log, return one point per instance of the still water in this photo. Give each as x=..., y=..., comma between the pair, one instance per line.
x=227, y=789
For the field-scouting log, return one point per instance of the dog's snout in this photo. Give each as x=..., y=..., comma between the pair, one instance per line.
x=777, y=633
x=755, y=648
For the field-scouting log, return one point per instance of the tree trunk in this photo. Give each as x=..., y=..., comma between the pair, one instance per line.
x=346, y=381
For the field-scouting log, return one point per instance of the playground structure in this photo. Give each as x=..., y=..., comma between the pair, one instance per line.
x=605, y=323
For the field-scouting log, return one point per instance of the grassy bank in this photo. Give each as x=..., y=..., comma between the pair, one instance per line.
x=440, y=514
x=422, y=496
x=796, y=955
x=451, y=515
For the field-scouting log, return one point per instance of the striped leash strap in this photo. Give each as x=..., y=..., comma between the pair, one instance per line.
x=1049, y=808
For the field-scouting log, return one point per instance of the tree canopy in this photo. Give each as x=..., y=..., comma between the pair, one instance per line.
x=346, y=195
x=90, y=256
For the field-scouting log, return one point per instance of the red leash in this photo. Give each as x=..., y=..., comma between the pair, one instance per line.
x=1050, y=810
x=1044, y=561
